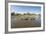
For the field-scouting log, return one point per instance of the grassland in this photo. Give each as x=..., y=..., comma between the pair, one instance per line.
x=25, y=20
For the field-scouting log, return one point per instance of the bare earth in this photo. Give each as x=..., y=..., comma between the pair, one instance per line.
x=16, y=23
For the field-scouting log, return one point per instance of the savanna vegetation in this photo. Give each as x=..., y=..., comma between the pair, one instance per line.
x=25, y=20
x=25, y=16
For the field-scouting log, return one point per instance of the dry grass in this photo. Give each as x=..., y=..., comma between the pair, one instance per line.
x=23, y=21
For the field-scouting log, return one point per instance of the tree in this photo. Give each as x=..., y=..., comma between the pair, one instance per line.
x=28, y=13
x=13, y=13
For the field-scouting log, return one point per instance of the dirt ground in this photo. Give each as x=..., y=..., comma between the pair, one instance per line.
x=16, y=23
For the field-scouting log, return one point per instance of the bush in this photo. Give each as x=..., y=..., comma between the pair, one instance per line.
x=26, y=19
x=32, y=19
x=13, y=13
x=17, y=14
